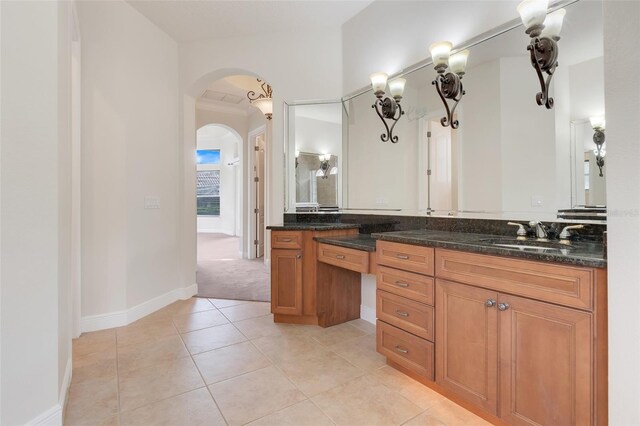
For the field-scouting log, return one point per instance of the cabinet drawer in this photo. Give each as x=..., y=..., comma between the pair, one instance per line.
x=406, y=284
x=405, y=256
x=409, y=351
x=286, y=239
x=414, y=317
x=561, y=284
x=354, y=260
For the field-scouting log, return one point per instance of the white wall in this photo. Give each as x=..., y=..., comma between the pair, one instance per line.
x=130, y=100
x=391, y=35
x=622, y=98
x=228, y=144
x=35, y=216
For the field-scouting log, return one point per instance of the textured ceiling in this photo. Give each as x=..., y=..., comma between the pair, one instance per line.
x=190, y=20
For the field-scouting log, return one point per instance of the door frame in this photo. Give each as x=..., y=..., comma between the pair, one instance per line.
x=251, y=187
x=76, y=176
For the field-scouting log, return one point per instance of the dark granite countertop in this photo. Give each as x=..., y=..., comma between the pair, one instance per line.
x=313, y=226
x=359, y=242
x=579, y=253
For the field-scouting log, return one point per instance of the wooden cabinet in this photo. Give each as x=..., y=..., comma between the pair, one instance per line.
x=467, y=343
x=307, y=291
x=286, y=279
x=516, y=341
x=404, y=307
x=546, y=363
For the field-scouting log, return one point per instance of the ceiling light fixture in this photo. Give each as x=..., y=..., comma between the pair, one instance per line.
x=544, y=31
x=262, y=101
x=449, y=85
x=387, y=108
x=598, y=124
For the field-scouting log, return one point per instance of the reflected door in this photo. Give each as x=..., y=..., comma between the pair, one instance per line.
x=441, y=183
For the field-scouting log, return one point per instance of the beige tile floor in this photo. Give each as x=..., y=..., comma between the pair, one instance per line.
x=217, y=362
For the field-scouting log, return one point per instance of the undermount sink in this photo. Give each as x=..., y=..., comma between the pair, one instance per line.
x=541, y=246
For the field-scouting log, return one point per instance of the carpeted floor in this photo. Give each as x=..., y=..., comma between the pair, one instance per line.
x=223, y=274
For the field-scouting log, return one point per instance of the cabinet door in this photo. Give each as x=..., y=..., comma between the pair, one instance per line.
x=545, y=363
x=467, y=342
x=286, y=282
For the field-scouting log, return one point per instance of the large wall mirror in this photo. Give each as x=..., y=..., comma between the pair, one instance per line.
x=314, y=156
x=509, y=158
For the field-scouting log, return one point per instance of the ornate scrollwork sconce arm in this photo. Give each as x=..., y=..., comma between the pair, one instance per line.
x=388, y=109
x=449, y=86
x=544, y=59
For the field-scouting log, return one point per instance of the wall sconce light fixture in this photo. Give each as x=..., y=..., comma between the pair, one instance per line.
x=264, y=100
x=598, y=124
x=449, y=85
x=325, y=169
x=388, y=108
x=544, y=31
x=297, y=155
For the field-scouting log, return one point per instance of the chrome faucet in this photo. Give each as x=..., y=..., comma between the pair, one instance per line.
x=540, y=230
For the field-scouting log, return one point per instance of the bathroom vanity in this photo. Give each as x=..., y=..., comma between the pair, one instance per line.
x=514, y=332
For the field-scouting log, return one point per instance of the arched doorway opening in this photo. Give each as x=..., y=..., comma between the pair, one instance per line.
x=221, y=111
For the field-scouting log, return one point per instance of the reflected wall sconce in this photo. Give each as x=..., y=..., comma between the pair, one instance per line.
x=544, y=31
x=598, y=124
x=264, y=100
x=325, y=169
x=449, y=85
x=297, y=155
x=388, y=108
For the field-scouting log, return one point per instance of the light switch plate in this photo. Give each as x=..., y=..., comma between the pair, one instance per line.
x=151, y=202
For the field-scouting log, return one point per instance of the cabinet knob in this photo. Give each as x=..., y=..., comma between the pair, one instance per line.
x=503, y=306
x=298, y=256
x=402, y=313
x=490, y=303
x=401, y=349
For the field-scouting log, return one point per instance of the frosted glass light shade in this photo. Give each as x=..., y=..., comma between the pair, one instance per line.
x=458, y=62
x=533, y=12
x=378, y=81
x=597, y=122
x=334, y=171
x=265, y=105
x=297, y=153
x=553, y=24
x=396, y=87
x=319, y=173
x=440, y=52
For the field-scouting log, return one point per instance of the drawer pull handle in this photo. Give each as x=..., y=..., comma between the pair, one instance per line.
x=402, y=256
x=402, y=284
x=339, y=256
x=401, y=349
x=285, y=240
x=402, y=313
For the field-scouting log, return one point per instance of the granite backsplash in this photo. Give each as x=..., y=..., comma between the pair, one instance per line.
x=387, y=223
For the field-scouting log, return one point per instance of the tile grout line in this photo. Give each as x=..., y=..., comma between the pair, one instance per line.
x=198, y=369
x=115, y=331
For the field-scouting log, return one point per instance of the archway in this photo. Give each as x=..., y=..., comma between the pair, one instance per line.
x=203, y=105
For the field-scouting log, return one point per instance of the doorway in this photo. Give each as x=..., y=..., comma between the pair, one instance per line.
x=438, y=161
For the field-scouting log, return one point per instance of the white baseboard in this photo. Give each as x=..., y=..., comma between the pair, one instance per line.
x=126, y=317
x=368, y=314
x=51, y=417
x=66, y=383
